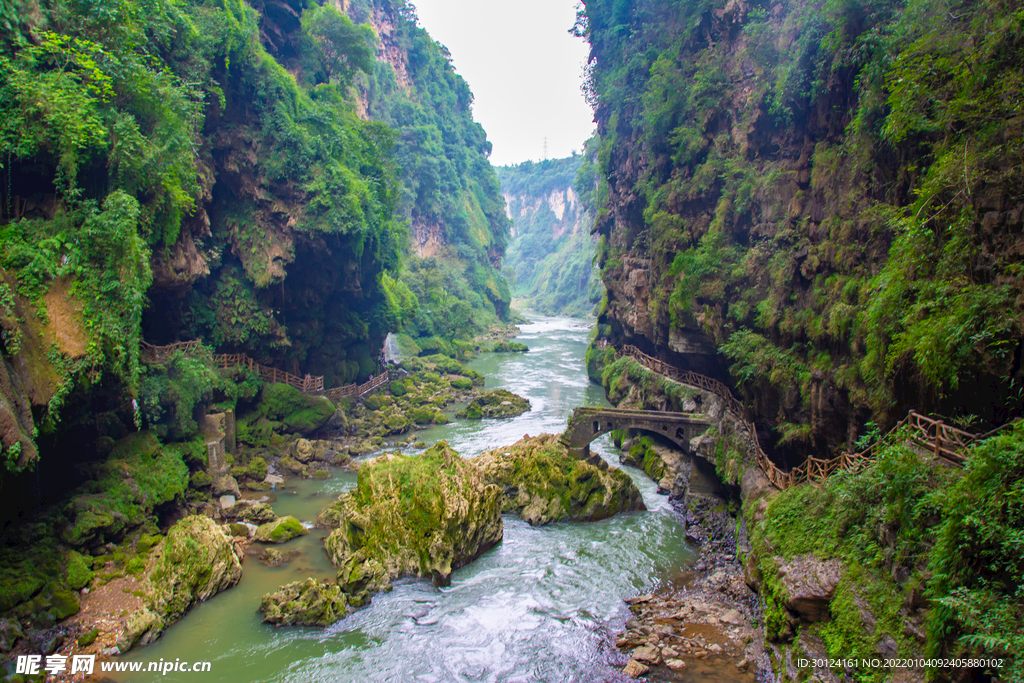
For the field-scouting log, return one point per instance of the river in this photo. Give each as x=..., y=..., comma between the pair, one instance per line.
x=541, y=606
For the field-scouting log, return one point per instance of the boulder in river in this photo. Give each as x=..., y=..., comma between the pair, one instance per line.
x=543, y=483
x=496, y=404
x=304, y=603
x=280, y=530
x=422, y=515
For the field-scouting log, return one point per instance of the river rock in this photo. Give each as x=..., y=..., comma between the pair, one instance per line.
x=304, y=603
x=193, y=563
x=809, y=584
x=257, y=513
x=272, y=557
x=420, y=515
x=225, y=485
x=301, y=450
x=496, y=404
x=648, y=654
x=280, y=530
x=543, y=483
x=635, y=669
x=10, y=632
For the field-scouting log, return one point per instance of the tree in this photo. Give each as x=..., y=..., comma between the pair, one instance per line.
x=344, y=46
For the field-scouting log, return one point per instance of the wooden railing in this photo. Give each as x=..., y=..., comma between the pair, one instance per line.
x=935, y=436
x=689, y=377
x=307, y=384
x=162, y=353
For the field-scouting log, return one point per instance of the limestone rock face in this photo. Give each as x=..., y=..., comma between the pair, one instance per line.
x=413, y=516
x=195, y=561
x=304, y=603
x=810, y=584
x=280, y=530
x=543, y=483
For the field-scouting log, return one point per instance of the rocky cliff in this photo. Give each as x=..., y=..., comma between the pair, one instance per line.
x=449, y=194
x=814, y=204
x=820, y=204
x=551, y=254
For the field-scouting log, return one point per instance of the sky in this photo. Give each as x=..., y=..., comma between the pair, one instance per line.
x=524, y=69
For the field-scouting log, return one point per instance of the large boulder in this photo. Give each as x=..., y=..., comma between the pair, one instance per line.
x=809, y=584
x=298, y=412
x=194, y=562
x=304, y=603
x=543, y=483
x=496, y=404
x=280, y=530
x=420, y=515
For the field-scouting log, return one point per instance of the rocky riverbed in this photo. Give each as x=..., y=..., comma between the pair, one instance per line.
x=704, y=624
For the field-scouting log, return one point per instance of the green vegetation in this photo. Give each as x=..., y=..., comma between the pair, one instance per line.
x=552, y=252
x=449, y=194
x=910, y=533
x=652, y=390
x=846, y=229
x=138, y=475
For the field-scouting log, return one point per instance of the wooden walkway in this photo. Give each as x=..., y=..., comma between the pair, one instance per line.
x=945, y=442
x=307, y=384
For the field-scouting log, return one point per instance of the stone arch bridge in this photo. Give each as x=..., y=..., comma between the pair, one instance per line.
x=589, y=422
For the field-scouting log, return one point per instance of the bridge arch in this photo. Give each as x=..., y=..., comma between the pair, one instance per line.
x=589, y=423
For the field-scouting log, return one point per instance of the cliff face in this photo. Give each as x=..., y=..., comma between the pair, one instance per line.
x=449, y=193
x=812, y=204
x=550, y=204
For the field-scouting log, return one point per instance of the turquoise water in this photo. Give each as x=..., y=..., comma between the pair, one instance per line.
x=541, y=606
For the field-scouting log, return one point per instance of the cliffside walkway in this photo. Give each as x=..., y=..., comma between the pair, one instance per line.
x=945, y=442
x=307, y=384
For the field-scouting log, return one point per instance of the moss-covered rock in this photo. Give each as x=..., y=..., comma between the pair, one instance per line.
x=543, y=483
x=200, y=480
x=497, y=404
x=293, y=466
x=304, y=603
x=643, y=454
x=423, y=416
x=420, y=515
x=461, y=383
x=88, y=638
x=298, y=412
x=509, y=347
x=196, y=561
x=64, y=603
x=257, y=513
x=79, y=574
x=138, y=475
x=280, y=530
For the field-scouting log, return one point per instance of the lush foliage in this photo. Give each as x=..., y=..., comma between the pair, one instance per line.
x=147, y=145
x=449, y=193
x=827, y=190
x=552, y=252
x=905, y=529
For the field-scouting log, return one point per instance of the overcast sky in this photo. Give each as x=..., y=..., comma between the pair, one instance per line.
x=524, y=70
